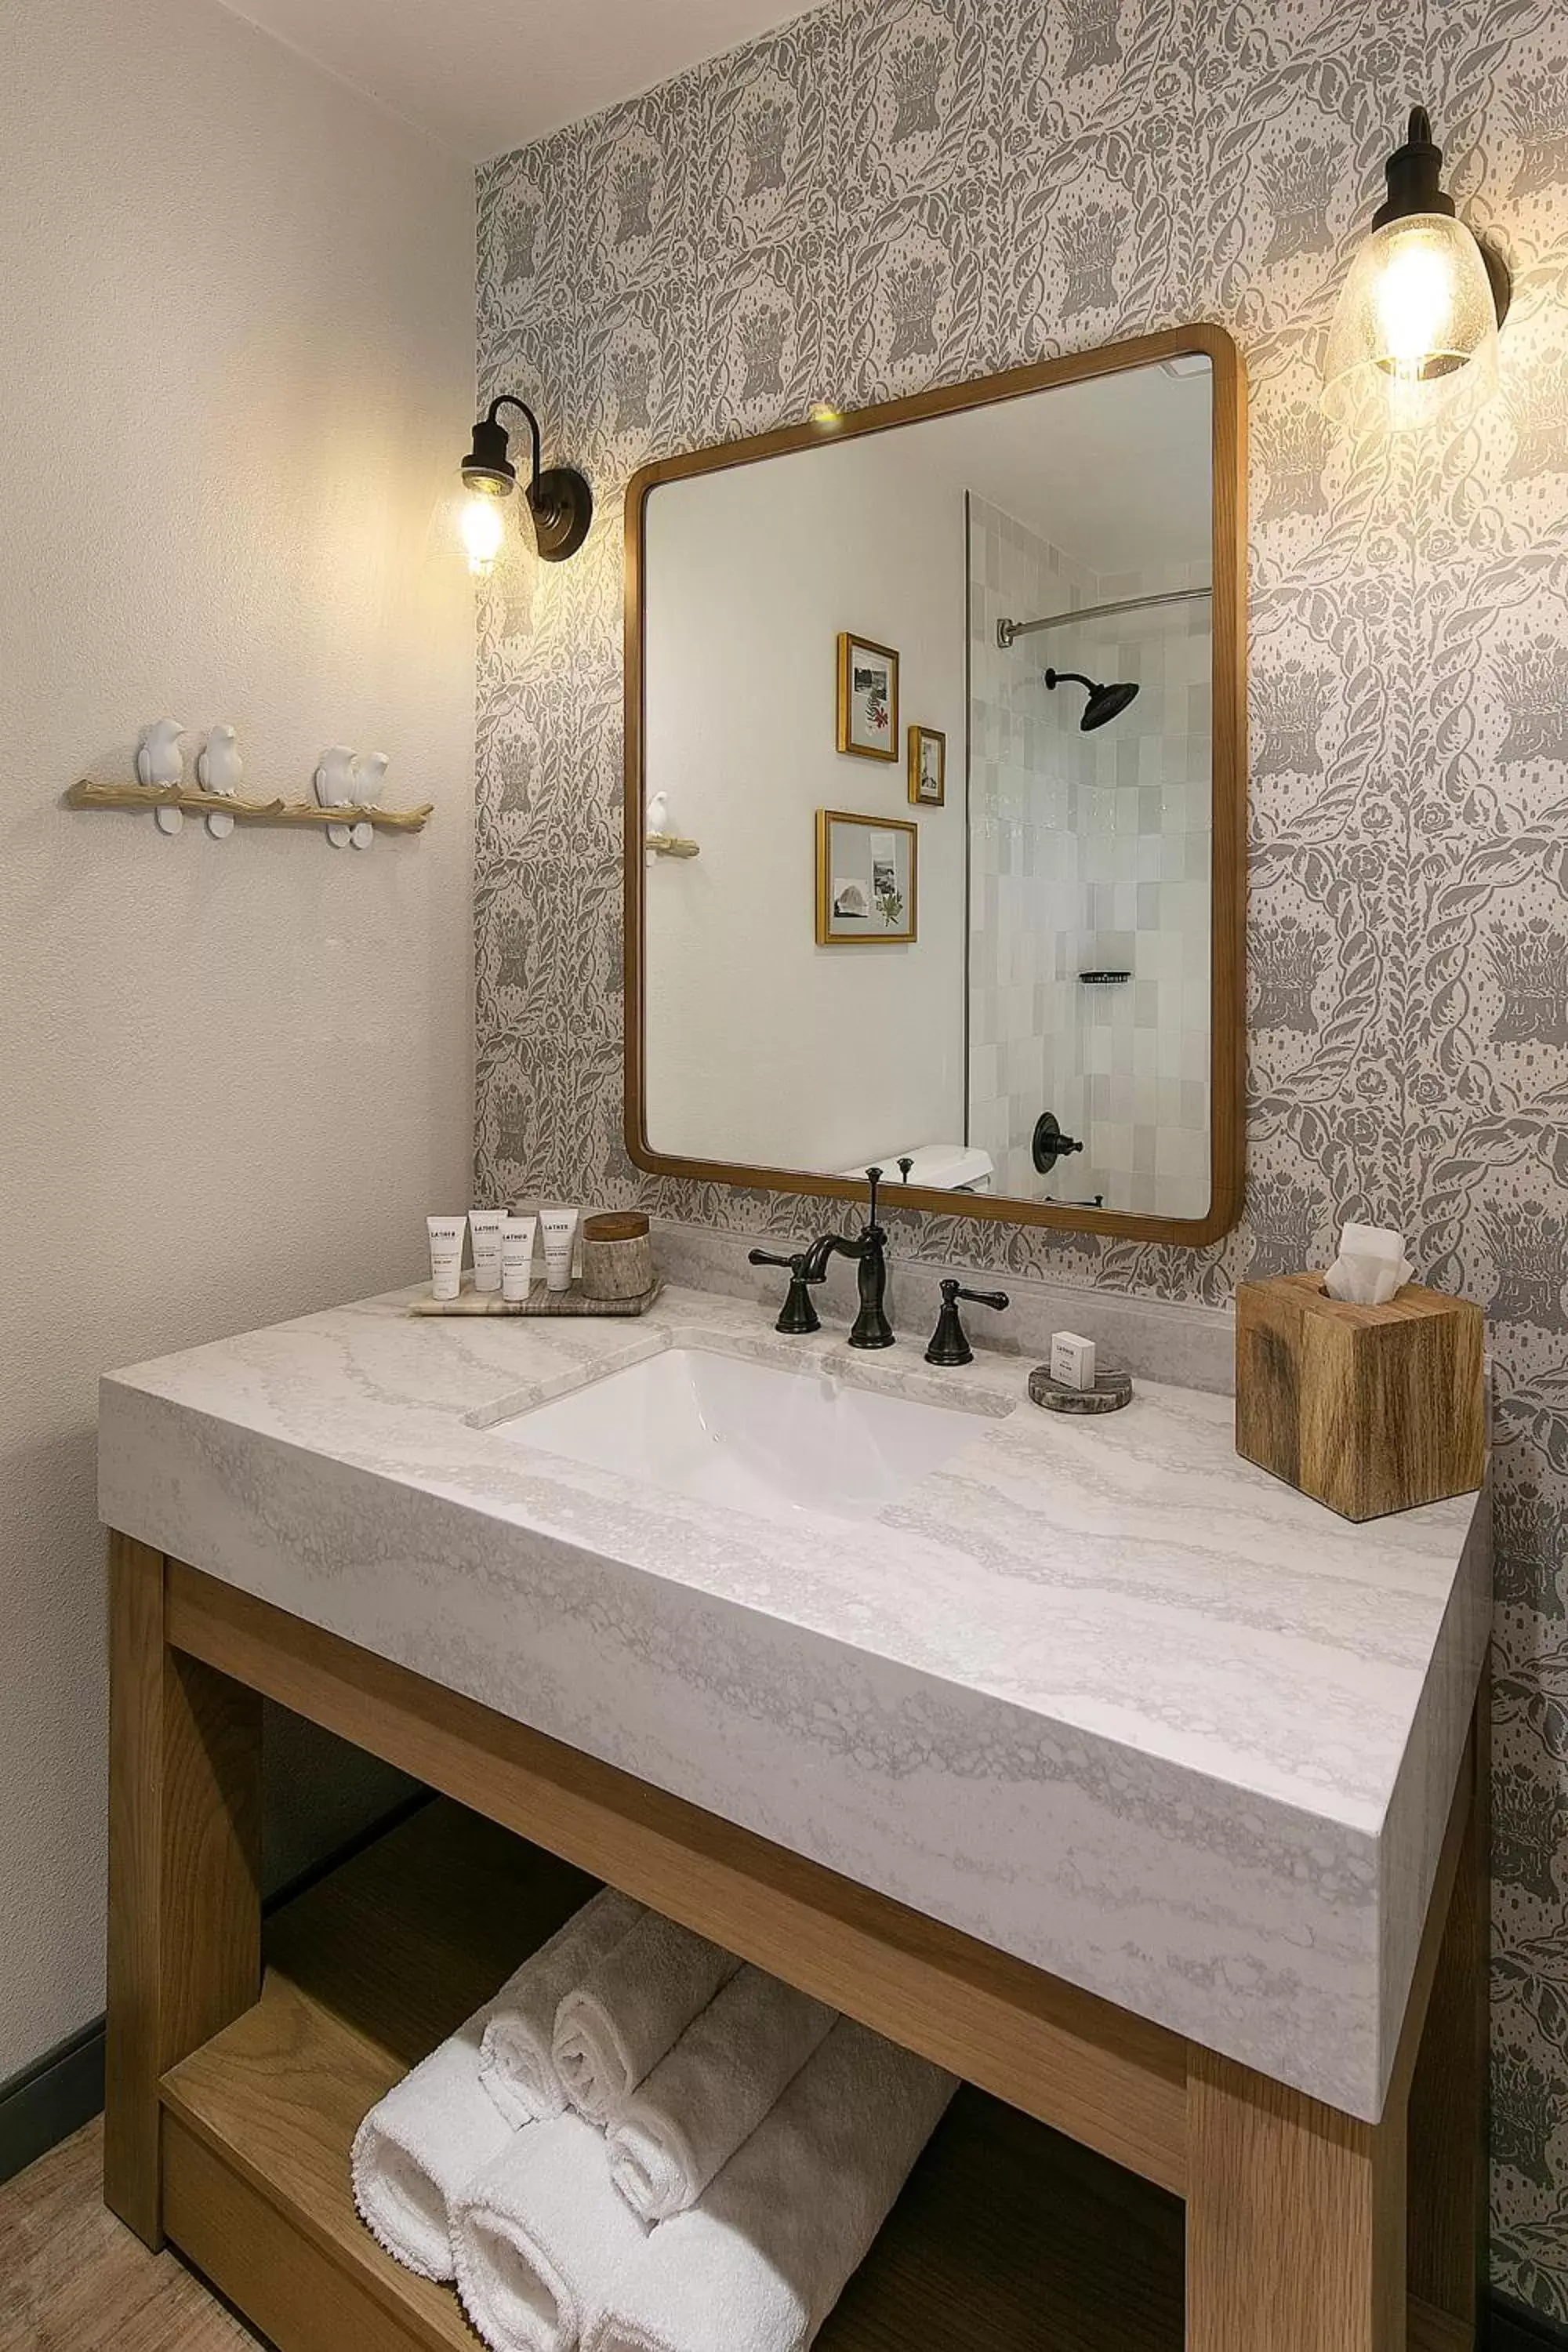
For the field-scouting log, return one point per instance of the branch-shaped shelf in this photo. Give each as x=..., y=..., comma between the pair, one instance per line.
x=672, y=845
x=87, y=795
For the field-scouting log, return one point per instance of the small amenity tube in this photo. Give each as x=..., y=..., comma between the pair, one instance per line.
x=485, y=1227
x=446, y=1255
x=559, y=1227
x=517, y=1258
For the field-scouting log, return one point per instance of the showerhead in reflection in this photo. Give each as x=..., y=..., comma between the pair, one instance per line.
x=1105, y=702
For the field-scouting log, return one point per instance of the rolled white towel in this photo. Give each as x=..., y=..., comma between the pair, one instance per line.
x=417, y=2146
x=764, y=2255
x=612, y=2030
x=539, y=2236
x=728, y=2067
x=516, y=2065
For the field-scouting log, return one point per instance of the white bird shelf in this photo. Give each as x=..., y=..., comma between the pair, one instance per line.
x=174, y=797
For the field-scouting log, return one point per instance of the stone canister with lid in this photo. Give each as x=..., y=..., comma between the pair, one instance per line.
x=617, y=1255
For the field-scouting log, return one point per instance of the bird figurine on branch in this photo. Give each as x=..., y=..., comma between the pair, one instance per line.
x=335, y=789
x=220, y=768
x=370, y=776
x=160, y=761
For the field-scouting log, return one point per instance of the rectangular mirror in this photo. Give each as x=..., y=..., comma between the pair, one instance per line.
x=935, y=824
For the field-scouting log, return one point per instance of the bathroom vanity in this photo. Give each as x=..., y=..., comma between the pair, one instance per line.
x=1080, y=1757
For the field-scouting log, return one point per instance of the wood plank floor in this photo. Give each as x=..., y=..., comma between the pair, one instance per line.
x=73, y=2279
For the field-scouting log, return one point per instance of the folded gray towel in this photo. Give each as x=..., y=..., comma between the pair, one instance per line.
x=517, y=2065
x=762, y=2257
x=728, y=2067
x=634, y=2005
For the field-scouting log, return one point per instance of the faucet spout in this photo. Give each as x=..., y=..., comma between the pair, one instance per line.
x=869, y=1251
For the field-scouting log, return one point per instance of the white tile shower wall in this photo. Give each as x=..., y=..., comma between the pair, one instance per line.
x=891, y=194
x=1025, y=889
x=1145, y=841
x=1089, y=853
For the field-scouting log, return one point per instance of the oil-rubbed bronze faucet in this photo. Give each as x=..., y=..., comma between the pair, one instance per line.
x=868, y=1248
x=797, y=1316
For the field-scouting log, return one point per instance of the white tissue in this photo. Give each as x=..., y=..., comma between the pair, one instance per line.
x=1370, y=1265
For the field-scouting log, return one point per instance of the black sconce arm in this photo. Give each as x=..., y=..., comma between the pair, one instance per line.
x=559, y=498
x=491, y=424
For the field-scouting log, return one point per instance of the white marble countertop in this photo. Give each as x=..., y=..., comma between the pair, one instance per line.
x=1096, y=1690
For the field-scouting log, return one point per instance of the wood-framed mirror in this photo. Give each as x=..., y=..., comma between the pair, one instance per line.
x=959, y=680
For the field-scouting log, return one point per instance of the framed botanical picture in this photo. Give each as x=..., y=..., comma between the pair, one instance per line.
x=868, y=699
x=866, y=880
x=928, y=766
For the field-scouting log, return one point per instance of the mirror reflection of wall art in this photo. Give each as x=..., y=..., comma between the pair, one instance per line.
x=928, y=766
x=866, y=880
x=868, y=699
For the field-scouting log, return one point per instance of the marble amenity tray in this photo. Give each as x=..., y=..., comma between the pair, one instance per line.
x=541, y=1300
x=1096, y=1691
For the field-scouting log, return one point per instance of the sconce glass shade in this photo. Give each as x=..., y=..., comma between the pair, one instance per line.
x=1415, y=338
x=482, y=523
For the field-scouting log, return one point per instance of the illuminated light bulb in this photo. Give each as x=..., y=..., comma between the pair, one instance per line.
x=1414, y=298
x=483, y=524
x=1415, y=338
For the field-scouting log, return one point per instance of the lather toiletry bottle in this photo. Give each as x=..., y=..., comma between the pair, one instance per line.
x=485, y=1228
x=445, y=1255
x=516, y=1259
x=558, y=1229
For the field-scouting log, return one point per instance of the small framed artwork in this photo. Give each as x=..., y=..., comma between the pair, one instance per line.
x=928, y=766
x=867, y=880
x=868, y=699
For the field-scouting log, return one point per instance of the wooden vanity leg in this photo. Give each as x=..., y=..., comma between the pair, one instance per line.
x=1295, y=2218
x=184, y=1924
x=1448, y=2186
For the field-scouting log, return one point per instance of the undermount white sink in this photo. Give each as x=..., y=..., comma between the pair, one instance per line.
x=753, y=1436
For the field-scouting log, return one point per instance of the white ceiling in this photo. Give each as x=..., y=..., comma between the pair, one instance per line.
x=485, y=75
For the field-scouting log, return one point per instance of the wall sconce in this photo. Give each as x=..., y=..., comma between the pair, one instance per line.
x=1415, y=334
x=559, y=498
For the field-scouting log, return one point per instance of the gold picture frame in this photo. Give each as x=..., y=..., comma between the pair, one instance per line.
x=867, y=721
x=921, y=739
x=868, y=892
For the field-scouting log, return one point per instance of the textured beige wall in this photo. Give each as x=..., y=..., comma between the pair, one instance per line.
x=236, y=363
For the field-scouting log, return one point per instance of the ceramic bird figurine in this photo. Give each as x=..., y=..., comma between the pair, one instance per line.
x=219, y=769
x=658, y=824
x=335, y=789
x=370, y=775
x=160, y=761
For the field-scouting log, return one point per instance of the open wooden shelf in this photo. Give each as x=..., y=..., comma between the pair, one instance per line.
x=1008, y=2238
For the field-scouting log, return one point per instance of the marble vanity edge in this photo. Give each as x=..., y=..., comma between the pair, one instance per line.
x=1417, y=1813
x=207, y=1466
x=1155, y=1338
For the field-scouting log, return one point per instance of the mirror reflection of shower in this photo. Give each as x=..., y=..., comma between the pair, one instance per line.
x=1105, y=702
x=1090, y=861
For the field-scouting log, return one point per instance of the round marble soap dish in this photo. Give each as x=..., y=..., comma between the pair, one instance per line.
x=1110, y=1392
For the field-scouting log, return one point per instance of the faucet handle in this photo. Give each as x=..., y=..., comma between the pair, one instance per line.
x=873, y=1178
x=797, y=1316
x=949, y=1343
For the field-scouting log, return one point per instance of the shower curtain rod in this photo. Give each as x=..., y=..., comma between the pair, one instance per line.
x=1007, y=630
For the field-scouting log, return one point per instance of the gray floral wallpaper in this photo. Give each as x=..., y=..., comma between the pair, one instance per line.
x=894, y=193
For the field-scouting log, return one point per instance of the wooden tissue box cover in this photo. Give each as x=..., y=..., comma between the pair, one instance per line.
x=1369, y=1409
